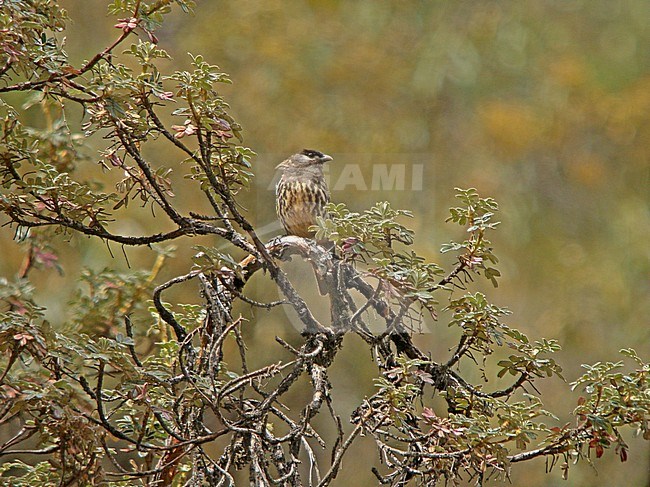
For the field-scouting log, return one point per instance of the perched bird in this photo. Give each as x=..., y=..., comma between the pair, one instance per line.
x=301, y=192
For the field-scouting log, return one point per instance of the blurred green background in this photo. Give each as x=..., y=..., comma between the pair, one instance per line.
x=541, y=104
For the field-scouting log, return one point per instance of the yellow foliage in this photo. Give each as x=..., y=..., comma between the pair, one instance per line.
x=568, y=71
x=512, y=127
x=587, y=169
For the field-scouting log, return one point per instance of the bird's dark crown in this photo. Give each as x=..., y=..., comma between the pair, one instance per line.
x=303, y=160
x=312, y=153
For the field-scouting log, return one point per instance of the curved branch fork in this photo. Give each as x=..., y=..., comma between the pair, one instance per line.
x=336, y=279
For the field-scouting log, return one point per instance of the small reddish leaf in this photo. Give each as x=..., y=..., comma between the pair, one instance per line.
x=599, y=451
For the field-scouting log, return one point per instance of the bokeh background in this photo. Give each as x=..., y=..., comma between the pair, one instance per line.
x=541, y=104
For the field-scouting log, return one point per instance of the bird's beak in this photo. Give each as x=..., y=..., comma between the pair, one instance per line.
x=326, y=158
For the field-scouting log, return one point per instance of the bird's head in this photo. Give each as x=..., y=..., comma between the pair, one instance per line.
x=304, y=159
